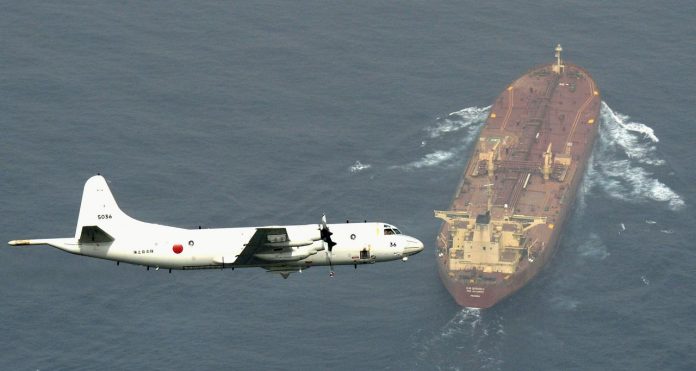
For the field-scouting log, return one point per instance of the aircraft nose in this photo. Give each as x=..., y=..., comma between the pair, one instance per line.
x=412, y=246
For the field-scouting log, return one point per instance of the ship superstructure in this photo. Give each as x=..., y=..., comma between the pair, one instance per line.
x=519, y=184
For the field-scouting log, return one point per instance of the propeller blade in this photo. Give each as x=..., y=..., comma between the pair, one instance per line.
x=325, y=234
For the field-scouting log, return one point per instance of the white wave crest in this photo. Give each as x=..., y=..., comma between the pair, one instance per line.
x=431, y=159
x=470, y=119
x=455, y=121
x=636, y=140
x=359, y=166
x=623, y=181
x=618, y=166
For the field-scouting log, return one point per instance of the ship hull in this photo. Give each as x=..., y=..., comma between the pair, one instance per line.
x=476, y=295
x=484, y=283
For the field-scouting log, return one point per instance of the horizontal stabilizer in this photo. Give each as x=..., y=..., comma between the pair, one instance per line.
x=66, y=244
x=94, y=234
x=23, y=243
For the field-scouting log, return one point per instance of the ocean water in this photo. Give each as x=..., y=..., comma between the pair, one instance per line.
x=255, y=113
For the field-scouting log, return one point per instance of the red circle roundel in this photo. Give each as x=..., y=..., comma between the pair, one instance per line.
x=178, y=248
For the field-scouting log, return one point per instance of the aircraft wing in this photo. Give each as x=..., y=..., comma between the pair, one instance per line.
x=259, y=243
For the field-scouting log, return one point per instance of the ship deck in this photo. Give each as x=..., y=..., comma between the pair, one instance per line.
x=536, y=110
x=521, y=179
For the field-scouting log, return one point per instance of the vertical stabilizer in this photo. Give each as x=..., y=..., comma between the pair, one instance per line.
x=98, y=207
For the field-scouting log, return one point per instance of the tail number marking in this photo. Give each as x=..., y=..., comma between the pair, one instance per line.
x=104, y=216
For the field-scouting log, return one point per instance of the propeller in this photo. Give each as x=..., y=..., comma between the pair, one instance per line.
x=325, y=234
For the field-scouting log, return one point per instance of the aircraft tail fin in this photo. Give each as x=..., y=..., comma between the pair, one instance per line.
x=99, y=212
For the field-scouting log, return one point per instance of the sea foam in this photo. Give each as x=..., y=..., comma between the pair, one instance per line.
x=623, y=164
x=359, y=166
x=458, y=120
x=463, y=123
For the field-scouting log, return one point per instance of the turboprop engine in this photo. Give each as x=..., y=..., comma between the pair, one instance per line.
x=297, y=244
x=290, y=251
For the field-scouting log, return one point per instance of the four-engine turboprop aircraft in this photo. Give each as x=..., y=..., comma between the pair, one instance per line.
x=106, y=232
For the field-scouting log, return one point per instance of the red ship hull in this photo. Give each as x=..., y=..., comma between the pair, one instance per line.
x=491, y=246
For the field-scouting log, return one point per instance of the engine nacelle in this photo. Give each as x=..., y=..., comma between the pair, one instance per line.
x=291, y=243
x=290, y=253
x=303, y=233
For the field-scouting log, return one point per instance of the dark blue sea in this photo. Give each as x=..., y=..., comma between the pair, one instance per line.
x=245, y=113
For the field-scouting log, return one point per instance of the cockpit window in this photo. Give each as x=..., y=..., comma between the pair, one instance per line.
x=388, y=231
x=396, y=231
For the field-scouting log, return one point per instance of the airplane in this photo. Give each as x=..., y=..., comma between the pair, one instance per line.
x=105, y=232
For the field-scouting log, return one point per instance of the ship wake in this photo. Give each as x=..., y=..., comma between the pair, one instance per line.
x=456, y=121
x=448, y=138
x=625, y=161
x=623, y=165
x=469, y=340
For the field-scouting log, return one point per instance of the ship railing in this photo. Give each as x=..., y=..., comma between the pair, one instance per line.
x=520, y=165
x=451, y=215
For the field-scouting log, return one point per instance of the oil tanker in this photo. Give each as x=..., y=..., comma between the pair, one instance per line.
x=519, y=185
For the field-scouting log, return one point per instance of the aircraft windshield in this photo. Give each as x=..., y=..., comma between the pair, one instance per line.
x=388, y=231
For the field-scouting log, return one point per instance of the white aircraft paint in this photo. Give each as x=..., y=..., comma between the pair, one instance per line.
x=104, y=231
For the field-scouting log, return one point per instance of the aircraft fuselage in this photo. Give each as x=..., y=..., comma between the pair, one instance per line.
x=105, y=232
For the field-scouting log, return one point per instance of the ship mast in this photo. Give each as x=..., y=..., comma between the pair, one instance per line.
x=489, y=194
x=547, y=162
x=558, y=67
